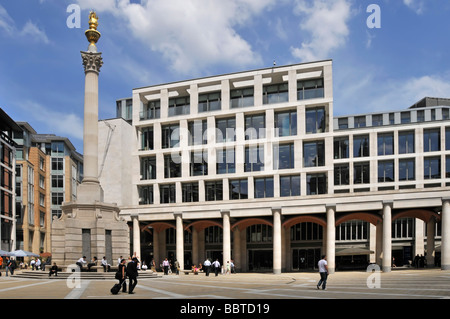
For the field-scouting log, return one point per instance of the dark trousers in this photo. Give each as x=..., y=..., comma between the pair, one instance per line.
x=323, y=280
x=123, y=283
x=166, y=270
x=132, y=282
x=216, y=270
x=207, y=270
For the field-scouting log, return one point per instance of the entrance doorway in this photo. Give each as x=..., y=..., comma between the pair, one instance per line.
x=305, y=259
x=260, y=260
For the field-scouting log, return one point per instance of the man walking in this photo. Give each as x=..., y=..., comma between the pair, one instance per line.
x=207, y=265
x=216, y=265
x=132, y=274
x=323, y=271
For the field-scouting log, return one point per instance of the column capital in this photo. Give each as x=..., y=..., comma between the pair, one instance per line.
x=92, y=61
x=388, y=203
x=276, y=209
x=330, y=206
x=224, y=212
x=134, y=216
x=445, y=199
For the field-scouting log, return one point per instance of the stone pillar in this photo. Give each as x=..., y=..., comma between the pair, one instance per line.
x=431, y=226
x=136, y=236
x=237, y=248
x=331, y=238
x=180, y=240
x=276, y=240
x=156, y=251
x=379, y=243
x=226, y=237
x=445, y=234
x=386, y=262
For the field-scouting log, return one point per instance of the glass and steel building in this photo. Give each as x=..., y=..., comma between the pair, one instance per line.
x=254, y=167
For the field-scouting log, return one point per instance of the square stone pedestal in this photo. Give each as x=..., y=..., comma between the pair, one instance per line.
x=91, y=230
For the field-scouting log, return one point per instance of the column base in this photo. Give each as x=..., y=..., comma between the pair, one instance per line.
x=445, y=267
x=386, y=269
x=277, y=271
x=89, y=192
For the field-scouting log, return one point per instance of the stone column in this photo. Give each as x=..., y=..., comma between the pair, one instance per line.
x=195, y=257
x=431, y=225
x=276, y=240
x=90, y=190
x=226, y=237
x=180, y=240
x=386, y=262
x=237, y=248
x=379, y=243
x=156, y=251
x=445, y=234
x=331, y=238
x=136, y=236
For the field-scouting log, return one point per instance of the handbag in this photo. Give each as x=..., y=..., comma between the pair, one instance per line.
x=118, y=275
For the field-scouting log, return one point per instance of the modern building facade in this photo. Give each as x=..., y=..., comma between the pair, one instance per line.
x=48, y=172
x=254, y=167
x=8, y=127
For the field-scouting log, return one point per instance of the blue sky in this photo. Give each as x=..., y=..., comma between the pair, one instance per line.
x=151, y=42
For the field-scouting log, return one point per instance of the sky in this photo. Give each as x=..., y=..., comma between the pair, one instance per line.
x=387, y=54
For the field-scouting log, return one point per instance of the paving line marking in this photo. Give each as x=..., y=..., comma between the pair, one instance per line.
x=26, y=286
x=76, y=293
x=161, y=291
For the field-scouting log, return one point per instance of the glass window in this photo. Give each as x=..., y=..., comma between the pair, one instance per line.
x=57, y=148
x=263, y=187
x=151, y=111
x=283, y=156
x=146, y=195
x=314, y=154
x=199, y=163
x=290, y=185
x=360, y=121
x=167, y=194
x=316, y=184
x=242, y=98
x=238, y=189
x=277, y=93
x=170, y=136
x=148, y=168
x=189, y=192
x=341, y=147
x=198, y=132
x=310, y=89
x=447, y=167
x=386, y=171
x=385, y=144
x=432, y=140
x=172, y=166
x=57, y=181
x=377, y=120
x=406, y=142
x=447, y=138
x=226, y=161
x=57, y=198
x=286, y=123
x=254, y=158
x=147, y=138
x=341, y=175
x=214, y=191
x=209, y=102
x=179, y=106
x=432, y=168
x=315, y=120
x=361, y=146
x=405, y=117
x=57, y=164
x=421, y=116
x=407, y=169
x=226, y=130
x=343, y=123
x=255, y=126
x=361, y=173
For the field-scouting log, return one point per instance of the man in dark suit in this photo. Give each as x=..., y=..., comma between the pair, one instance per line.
x=132, y=273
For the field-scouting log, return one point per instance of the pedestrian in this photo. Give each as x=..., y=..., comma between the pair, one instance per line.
x=153, y=265
x=10, y=265
x=228, y=268
x=1, y=264
x=166, y=265
x=32, y=263
x=53, y=270
x=132, y=274
x=323, y=271
x=82, y=261
x=233, y=267
x=207, y=265
x=38, y=264
x=121, y=275
x=216, y=265
x=177, y=267
x=106, y=266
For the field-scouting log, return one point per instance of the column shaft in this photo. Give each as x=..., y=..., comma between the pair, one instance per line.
x=430, y=242
x=386, y=262
x=180, y=240
x=277, y=241
x=90, y=136
x=226, y=238
x=331, y=239
x=445, y=235
x=136, y=237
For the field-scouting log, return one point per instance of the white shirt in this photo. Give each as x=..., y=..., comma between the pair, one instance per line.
x=207, y=263
x=322, y=263
x=81, y=260
x=216, y=264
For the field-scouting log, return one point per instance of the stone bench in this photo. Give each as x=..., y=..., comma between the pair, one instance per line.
x=187, y=272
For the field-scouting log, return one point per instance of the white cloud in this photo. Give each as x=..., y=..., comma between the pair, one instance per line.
x=189, y=34
x=64, y=124
x=326, y=23
x=415, y=5
x=29, y=30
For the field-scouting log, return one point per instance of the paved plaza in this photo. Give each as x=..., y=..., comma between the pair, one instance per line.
x=398, y=284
